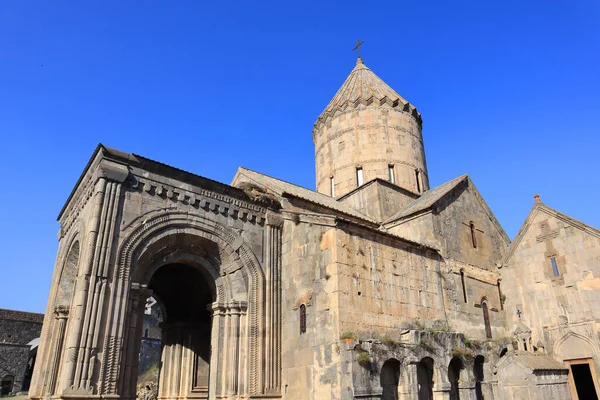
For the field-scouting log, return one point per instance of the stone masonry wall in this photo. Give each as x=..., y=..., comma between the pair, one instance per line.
x=17, y=329
x=310, y=359
x=384, y=283
x=560, y=310
x=452, y=226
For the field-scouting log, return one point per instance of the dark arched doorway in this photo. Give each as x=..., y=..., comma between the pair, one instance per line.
x=6, y=386
x=454, y=376
x=478, y=373
x=390, y=374
x=425, y=378
x=185, y=299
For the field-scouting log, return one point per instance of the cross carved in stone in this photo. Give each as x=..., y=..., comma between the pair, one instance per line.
x=357, y=47
x=519, y=313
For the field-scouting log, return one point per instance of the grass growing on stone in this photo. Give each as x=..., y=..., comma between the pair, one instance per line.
x=363, y=358
x=427, y=345
x=349, y=335
x=464, y=353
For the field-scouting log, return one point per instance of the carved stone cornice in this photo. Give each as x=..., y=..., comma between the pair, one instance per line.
x=69, y=217
x=201, y=198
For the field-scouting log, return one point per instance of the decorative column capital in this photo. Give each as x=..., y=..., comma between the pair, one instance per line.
x=274, y=220
x=112, y=171
x=62, y=312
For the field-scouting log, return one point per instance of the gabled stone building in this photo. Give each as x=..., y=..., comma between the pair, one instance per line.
x=374, y=286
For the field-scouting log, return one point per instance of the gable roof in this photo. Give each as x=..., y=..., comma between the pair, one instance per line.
x=533, y=361
x=283, y=188
x=427, y=199
x=537, y=208
x=431, y=197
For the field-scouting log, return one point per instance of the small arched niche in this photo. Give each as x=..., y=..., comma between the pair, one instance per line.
x=454, y=368
x=68, y=276
x=390, y=375
x=425, y=378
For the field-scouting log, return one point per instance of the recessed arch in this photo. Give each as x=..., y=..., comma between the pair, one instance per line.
x=425, y=379
x=454, y=368
x=573, y=345
x=237, y=271
x=390, y=375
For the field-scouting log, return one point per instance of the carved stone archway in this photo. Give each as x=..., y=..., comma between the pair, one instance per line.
x=134, y=267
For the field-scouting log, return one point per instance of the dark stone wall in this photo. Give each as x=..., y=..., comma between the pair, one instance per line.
x=17, y=329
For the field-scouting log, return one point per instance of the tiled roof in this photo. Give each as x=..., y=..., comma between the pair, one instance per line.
x=20, y=316
x=285, y=188
x=363, y=84
x=536, y=361
x=427, y=199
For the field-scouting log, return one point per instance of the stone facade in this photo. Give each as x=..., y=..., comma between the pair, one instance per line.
x=385, y=289
x=18, y=330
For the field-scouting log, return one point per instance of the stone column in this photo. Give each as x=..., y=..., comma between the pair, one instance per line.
x=138, y=296
x=82, y=288
x=62, y=313
x=408, y=387
x=217, y=366
x=274, y=224
x=234, y=336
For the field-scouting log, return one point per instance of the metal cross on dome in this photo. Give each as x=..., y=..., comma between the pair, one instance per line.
x=357, y=47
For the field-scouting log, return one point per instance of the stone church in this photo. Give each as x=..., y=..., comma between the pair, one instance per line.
x=374, y=286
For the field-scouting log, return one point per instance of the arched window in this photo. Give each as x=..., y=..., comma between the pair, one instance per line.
x=473, y=238
x=454, y=377
x=486, y=320
x=425, y=379
x=390, y=375
x=500, y=296
x=478, y=373
x=464, y=286
x=302, y=311
x=332, y=186
x=418, y=180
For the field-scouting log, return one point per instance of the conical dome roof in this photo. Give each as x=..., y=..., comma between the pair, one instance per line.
x=364, y=87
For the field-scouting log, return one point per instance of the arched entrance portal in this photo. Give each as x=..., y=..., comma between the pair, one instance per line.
x=203, y=301
x=185, y=297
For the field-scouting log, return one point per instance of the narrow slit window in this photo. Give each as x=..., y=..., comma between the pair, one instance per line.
x=391, y=173
x=501, y=297
x=554, y=266
x=418, y=180
x=332, y=185
x=302, y=319
x=486, y=320
x=359, y=176
x=473, y=238
x=464, y=285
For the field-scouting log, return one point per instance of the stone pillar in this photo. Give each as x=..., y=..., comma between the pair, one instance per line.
x=408, y=387
x=274, y=224
x=82, y=288
x=129, y=370
x=234, y=335
x=62, y=313
x=217, y=341
x=89, y=309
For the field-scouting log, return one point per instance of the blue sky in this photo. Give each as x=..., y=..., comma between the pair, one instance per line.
x=508, y=91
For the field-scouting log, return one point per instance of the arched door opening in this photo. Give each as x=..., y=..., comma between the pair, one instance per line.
x=454, y=377
x=150, y=349
x=478, y=373
x=6, y=386
x=425, y=378
x=390, y=375
x=182, y=323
